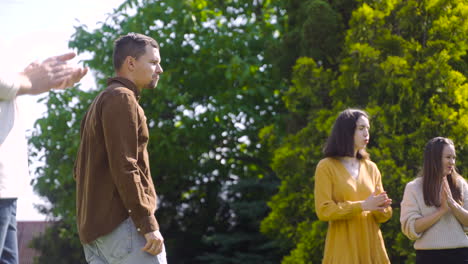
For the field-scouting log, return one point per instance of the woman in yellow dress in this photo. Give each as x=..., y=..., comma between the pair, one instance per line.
x=349, y=195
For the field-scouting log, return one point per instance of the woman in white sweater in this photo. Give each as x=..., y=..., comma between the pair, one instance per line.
x=434, y=210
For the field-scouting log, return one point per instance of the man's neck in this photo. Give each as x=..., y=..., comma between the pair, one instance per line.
x=128, y=77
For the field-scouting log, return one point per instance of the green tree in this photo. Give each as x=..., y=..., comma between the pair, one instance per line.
x=313, y=28
x=56, y=238
x=218, y=89
x=405, y=63
x=57, y=136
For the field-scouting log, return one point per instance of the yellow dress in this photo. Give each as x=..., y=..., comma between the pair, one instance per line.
x=353, y=236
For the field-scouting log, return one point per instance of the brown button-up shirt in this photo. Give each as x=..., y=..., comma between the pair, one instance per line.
x=112, y=170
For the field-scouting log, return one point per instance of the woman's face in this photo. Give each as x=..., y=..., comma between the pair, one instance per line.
x=448, y=159
x=361, y=134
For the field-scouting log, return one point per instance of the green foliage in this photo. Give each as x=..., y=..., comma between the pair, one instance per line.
x=405, y=63
x=59, y=234
x=217, y=121
x=58, y=136
x=313, y=28
x=218, y=90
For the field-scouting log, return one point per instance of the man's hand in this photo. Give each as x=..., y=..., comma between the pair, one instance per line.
x=154, y=243
x=54, y=72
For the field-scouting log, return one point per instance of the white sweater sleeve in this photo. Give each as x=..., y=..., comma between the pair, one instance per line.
x=9, y=86
x=410, y=211
x=464, y=187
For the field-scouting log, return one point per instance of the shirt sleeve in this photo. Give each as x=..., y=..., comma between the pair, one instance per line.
x=410, y=212
x=325, y=207
x=120, y=128
x=381, y=217
x=9, y=87
x=464, y=190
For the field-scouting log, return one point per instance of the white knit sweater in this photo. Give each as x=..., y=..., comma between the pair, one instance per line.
x=446, y=233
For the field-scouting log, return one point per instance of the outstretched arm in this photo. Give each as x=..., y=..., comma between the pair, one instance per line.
x=53, y=73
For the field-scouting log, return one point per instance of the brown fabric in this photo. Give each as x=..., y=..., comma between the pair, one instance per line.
x=112, y=171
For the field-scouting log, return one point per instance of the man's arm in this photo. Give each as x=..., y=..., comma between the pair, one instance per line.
x=120, y=128
x=38, y=78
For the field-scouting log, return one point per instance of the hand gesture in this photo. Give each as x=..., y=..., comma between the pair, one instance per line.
x=52, y=73
x=377, y=201
x=154, y=243
x=446, y=198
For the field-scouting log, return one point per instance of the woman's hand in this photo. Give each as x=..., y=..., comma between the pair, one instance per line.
x=444, y=205
x=425, y=222
x=376, y=202
x=446, y=194
x=446, y=200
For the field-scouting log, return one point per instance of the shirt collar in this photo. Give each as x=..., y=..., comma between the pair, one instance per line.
x=126, y=83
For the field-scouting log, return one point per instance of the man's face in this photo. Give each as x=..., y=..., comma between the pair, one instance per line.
x=148, y=69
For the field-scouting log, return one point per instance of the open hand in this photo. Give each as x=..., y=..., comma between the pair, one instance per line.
x=53, y=73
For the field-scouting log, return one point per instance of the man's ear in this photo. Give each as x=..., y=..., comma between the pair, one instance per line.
x=130, y=63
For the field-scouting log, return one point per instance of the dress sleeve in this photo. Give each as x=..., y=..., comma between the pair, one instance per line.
x=410, y=212
x=381, y=217
x=326, y=208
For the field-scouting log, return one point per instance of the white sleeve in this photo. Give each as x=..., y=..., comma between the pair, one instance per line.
x=464, y=191
x=410, y=212
x=9, y=86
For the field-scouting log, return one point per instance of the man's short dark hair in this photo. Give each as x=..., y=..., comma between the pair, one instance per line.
x=132, y=44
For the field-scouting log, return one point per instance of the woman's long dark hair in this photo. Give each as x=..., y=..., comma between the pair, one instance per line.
x=432, y=170
x=340, y=143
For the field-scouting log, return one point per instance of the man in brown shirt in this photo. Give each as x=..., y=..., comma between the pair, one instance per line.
x=116, y=199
